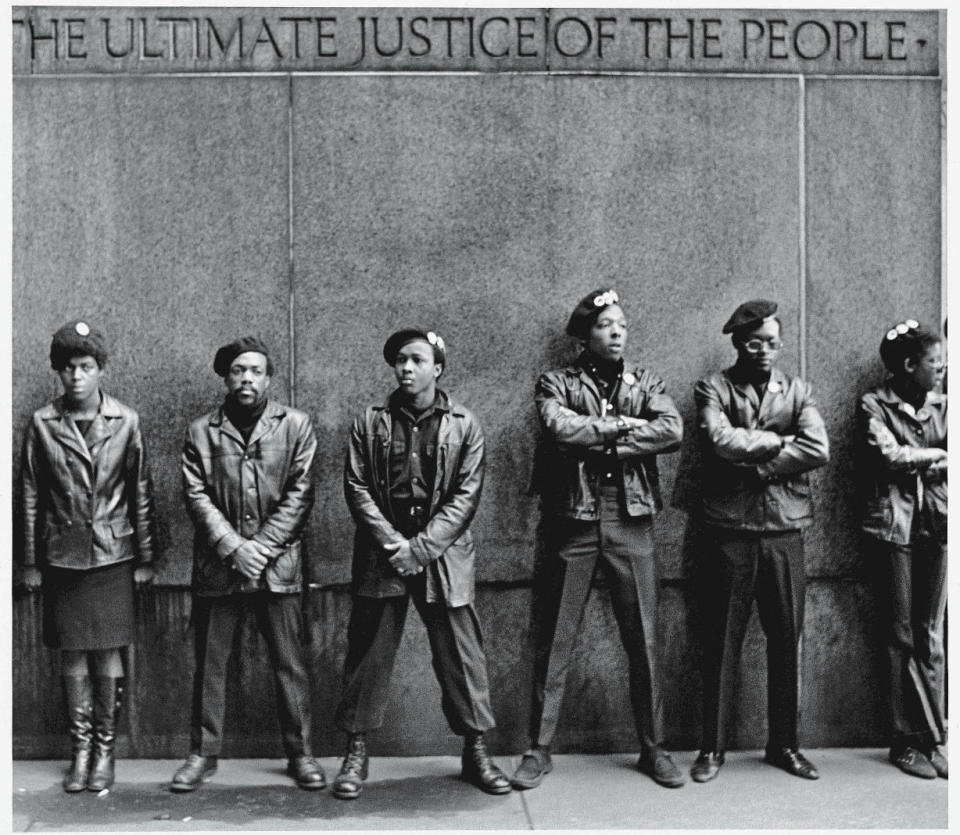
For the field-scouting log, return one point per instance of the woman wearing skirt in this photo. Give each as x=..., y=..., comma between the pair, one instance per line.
x=88, y=522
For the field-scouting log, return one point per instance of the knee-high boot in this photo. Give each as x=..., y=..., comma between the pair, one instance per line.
x=107, y=697
x=77, y=694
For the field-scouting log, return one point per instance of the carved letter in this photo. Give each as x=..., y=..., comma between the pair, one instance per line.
x=825, y=33
x=483, y=31
x=74, y=36
x=891, y=40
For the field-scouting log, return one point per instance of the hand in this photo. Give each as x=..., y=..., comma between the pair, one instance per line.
x=143, y=576
x=787, y=439
x=938, y=468
x=250, y=559
x=632, y=422
x=30, y=578
x=403, y=560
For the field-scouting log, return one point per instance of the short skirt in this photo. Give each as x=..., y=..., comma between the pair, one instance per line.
x=91, y=609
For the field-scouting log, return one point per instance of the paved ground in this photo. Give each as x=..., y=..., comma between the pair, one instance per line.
x=857, y=789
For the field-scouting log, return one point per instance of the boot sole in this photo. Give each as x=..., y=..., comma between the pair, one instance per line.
x=488, y=789
x=345, y=795
x=192, y=787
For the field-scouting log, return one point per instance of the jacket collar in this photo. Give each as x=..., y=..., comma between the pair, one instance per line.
x=272, y=412
x=66, y=432
x=935, y=400
x=577, y=368
x=776, y=387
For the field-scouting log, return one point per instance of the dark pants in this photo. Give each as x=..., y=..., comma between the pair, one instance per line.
x=916, y=595
x=456, y=644
x=624, y=548
x=767, y=567
x=215, y=621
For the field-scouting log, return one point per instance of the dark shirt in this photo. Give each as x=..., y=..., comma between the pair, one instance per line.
x=606, y=375
x=413, y=453
x=244, y=419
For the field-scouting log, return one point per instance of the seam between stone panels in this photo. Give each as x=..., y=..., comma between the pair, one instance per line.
x=802, y=220
x=291, y=290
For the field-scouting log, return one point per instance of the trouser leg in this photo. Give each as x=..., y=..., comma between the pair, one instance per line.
x=781, y=586
x=728, y=602
x=373, y=636
x=929, y=603
x=572, y=548
x=215, y=620
x=456, y=646
x=281, y=623
x=629, y=564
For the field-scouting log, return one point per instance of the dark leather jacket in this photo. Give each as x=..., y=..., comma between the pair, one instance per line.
x=445, y=546
x=753, y=478
x=574, y=432
x=261, y=490
x=896, y=446
x=86, y=504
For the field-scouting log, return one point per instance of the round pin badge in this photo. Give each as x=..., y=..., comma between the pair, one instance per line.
x=923, y=414
x=83, y=328
x=774, y=386
x=629, y=378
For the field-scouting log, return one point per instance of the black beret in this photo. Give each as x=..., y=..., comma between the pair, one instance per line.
x=397, y=340
x=77, y=339
x=228, y=353
x=586, y=312
x=750, y=314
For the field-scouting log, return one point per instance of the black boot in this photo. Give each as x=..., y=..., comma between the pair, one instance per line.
x=479, y=769
x=107, y=696
x=77, y=693
x=349, y=782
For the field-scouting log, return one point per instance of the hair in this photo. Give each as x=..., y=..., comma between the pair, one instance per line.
x=62, y=354
x=911, y=345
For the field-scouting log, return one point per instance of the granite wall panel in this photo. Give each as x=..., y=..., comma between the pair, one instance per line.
x=873, y=232
x=486, y=207
x=157, y=210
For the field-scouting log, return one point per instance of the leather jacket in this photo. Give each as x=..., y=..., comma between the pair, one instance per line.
x=260, y=490
x=86, y=502
x=754, y=478
x=445, y=546
x=577, y=438
x=896, y=450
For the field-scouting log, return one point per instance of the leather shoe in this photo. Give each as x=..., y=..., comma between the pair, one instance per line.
x=479, y=770
x=535, y=765
x=706, y=766
x=939, y=761
x=793, y=762
x=348, y=784
x=661, y=768
x=193, y=772
x=307, y=772
x=915, y=763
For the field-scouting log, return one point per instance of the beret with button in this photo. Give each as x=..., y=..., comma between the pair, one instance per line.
x=77, y=339
x=400, y=338
x=750, y=314
x=587, y=311
x=228, y=353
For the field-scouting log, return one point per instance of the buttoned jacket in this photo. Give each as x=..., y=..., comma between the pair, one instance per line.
x=445, y=546
x=579, y=436
x=756, y=455
x=87, y=502
x=897, y=445
x=260, y=490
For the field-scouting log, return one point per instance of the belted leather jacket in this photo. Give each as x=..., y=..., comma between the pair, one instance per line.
x=260, y=490
x=445, y=546
x=577, y=436
x=756, y=456
x=88, y=502
x=897, y=446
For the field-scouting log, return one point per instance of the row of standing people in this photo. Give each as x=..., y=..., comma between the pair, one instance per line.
x=413, y=478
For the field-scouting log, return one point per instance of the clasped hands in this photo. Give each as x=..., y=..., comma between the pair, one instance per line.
x=402, y=559
x=251, y=558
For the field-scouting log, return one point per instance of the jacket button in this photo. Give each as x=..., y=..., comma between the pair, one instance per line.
x=89, y=523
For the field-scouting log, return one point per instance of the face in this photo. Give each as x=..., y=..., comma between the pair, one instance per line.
x=416, y=368
x=926, y=372
x=80, y=378
x=247, y=380
x=608, y=336
x=758, y=348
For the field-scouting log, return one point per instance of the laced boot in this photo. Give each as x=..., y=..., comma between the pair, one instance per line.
x=479, y=769
x=107, y=695
x=78, y=694
x=349, y=782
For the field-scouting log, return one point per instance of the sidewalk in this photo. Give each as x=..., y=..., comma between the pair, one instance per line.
x=857, y=789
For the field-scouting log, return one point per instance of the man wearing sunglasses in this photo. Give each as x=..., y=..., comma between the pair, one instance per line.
x=761, y=434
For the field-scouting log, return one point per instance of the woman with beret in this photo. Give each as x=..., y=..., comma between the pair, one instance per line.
x=902, y=427
x=88, y=538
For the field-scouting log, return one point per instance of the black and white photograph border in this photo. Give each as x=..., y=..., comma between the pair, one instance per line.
x=321, y=177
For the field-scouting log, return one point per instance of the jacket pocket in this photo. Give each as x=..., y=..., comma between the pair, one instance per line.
x=285, y=569
x=121, y=528
x=795, y=499
x=878, y=517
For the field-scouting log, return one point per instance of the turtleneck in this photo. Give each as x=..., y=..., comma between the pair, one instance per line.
x=909, y=393
x=606, y=371
x=242, y=417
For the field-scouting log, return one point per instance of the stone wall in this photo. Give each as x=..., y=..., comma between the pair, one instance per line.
x=183, y=202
